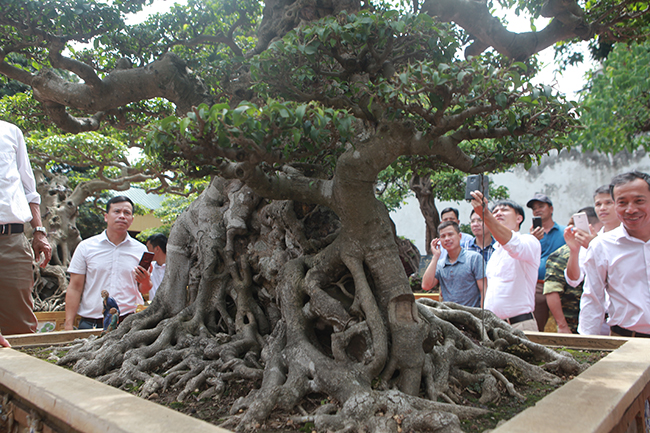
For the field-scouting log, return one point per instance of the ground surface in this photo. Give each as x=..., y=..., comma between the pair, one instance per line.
x=217, y=411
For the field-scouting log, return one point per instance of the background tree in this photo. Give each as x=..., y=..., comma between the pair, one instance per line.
x=617, y=102
x=286, y=269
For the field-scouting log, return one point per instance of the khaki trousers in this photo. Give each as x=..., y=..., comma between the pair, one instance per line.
x=16, y=281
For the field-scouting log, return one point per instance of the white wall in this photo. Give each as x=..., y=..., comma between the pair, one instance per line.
x=568, y=179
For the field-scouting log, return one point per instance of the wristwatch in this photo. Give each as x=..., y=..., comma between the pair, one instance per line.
x=40, y=229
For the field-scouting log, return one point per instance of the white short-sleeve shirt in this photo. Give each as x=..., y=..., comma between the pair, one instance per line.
x=107, y=267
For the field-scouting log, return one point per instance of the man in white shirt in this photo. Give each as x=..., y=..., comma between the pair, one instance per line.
x=512, y=270
x=108, y=261
x=157, y=244
x=19, y=204
x=617, y=264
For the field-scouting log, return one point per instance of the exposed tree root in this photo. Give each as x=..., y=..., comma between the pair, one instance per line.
x=276, y=294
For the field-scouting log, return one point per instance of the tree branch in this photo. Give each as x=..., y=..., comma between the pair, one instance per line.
x=476, y=19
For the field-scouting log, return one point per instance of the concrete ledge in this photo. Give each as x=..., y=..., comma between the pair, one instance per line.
x=595, y=401
x=85, y=405
x=49, y=338
x=576, y=341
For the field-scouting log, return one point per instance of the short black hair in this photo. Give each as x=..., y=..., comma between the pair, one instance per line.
x=513, y=205
x=118, y=199
x=158, y=240
x=591, y=214
x=603, y=189
x=445, y=224
x=630, y=176
x=449, y=209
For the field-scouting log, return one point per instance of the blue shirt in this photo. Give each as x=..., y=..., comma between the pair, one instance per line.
x=458, y=279
x=485, y=252
x=551, y=241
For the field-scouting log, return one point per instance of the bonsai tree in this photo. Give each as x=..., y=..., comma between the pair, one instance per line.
x=286, y=270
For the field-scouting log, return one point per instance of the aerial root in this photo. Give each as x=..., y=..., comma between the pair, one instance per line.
x=509, y=386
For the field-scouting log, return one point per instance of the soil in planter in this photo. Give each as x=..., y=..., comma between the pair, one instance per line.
x=216, y=411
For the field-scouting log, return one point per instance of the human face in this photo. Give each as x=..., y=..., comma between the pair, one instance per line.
x=507, y=216
x=605, y=209
x=544, y=210
x=119, y=217
x=449, y=216
x=632, y=202
x=449, y=239
x=476, y=224
x=155, y=250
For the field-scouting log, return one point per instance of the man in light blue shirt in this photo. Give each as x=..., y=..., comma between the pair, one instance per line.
x=461, y=273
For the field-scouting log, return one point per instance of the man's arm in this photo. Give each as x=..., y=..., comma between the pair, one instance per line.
x=501, y=233
x=73, y=298
x=39, y=240
x=429, y=280
x=573, y=273
x=555, y=305
x=482, y=285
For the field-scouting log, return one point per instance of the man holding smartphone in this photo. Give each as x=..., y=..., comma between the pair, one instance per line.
x=512, y=270
x=108, y=261
x=616, y=264
x=551, y=236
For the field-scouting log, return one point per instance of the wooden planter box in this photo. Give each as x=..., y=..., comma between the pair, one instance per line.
x=610, y=397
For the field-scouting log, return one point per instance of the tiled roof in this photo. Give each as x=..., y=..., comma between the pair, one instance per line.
x=139, y=196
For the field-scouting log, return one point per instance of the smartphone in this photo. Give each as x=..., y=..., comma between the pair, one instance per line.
x=537, y=222
x=146, y=259
x=580, y=221
x=477, y=182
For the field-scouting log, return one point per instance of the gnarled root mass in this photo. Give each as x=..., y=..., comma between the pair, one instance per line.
x=277, y=293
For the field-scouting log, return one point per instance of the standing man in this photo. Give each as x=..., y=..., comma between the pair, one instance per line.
x=483, y=242
x=108, y=261
x=551, y=237
x=562, y=298
x=617, y=264
x=19, y=204
x=512, y=270
x=157, y=244
x=461, y=275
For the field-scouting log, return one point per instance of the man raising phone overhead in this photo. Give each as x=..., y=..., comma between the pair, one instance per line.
x=108, y=261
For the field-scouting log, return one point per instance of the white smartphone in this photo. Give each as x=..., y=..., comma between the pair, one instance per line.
x=580, y=221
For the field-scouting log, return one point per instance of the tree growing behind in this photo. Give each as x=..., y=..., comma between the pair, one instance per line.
x=286, y=269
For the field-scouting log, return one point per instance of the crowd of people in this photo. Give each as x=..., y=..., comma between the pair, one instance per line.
x=593, y=281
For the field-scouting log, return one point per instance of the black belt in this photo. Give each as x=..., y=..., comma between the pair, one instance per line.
x=519, y=318
x=7, y=229
x=627, y=333
x=97, y=322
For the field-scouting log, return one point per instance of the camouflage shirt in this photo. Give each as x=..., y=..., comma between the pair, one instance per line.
x=554, y=282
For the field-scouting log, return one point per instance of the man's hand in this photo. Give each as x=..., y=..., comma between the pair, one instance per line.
x=4, y=342
x=478, y=202
x=41, y=245
x=563, y=329
x=583, y=237
x=538, y=232
x=143, y=278
x=435, y=248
